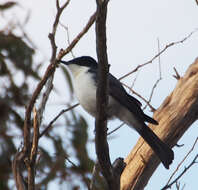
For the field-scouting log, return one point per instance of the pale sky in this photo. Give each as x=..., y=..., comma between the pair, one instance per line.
x=133, y=28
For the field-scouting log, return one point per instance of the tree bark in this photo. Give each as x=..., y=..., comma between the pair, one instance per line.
x=176, y=114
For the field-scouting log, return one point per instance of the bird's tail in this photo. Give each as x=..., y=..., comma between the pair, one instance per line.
x=149, y=119
x=164, y=153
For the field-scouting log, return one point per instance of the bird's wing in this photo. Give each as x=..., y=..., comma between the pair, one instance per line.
x=117, y=91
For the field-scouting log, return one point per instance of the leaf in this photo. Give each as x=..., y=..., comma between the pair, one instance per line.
x=79, y=142
x=7, y=5
x=18, y=52
x=69, y=79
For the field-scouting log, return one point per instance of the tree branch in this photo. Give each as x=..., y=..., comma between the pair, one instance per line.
x=52, y=122
x=175, y=116
x=31, y=162
x=158, y=80
x=102, y=149
x=17, y=165
x=24, y=154
x=54, y=29
x=78, y=37
x=194, y=161
x=141, y=97
x=159, y=53
x=168, y=185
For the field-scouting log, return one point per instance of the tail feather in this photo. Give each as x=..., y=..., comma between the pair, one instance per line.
x=150, y=120
x=165, y=154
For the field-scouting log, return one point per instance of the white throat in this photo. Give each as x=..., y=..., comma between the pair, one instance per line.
x=84, y=87
x=76, y=69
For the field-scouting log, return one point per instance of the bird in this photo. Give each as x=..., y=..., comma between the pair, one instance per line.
x=121, y=105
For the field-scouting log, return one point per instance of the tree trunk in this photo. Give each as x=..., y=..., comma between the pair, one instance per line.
x=176, y=114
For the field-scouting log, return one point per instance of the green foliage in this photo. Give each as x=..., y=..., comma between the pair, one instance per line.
x=7, y=5
x=68, y=78
x=18, y=52
x=79, y=142
x=15, y=56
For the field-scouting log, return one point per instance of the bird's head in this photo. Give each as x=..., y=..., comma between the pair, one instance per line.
x=77, y=64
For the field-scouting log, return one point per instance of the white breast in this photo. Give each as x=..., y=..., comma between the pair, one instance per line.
x=85, y=90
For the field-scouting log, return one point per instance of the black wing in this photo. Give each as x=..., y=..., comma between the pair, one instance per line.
x=117, y=91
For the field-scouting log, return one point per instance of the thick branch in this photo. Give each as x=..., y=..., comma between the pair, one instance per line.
x=102, y=149
x=177, y=113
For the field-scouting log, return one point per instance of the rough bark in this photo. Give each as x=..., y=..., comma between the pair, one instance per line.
x=102, y=150
x=176, y=114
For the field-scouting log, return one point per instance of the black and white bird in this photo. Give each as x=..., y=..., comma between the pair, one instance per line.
x=121, y=104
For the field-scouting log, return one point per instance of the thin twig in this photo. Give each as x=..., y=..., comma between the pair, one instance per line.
x=177, y=184
x=135, y=79
x=178, y=166
x=134, y=92
x=194, y=161
x=151, y=95
x=168, y=184
x=83, y=174
x=49, y=87
x=72, y=163
x=68, y=37
x=32, y=159
x=158, y=80
x=115, y=129
x=55, y=25
x=159, y=59
x=177, y=76
x=179, y=145
x=52, y=122
x=95, y=173
x=183, y=187
x=157, y=55
x=78, y=37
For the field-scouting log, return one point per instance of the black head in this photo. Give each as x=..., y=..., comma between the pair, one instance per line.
x=86, y=61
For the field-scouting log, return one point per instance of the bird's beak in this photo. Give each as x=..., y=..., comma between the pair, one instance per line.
x=65, y=62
